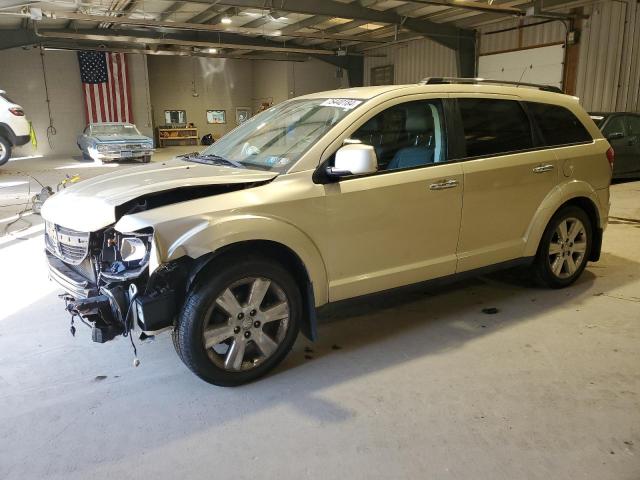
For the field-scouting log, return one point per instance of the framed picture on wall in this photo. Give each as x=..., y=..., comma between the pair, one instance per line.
x=175, y=117
x=242, y=114
x=216, y=116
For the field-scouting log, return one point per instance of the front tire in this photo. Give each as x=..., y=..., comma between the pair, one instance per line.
x=564, y=248
x=5, y=151
x=239, y=324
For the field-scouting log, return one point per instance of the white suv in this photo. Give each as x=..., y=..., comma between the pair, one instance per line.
x=327, y=197
x=14, y=127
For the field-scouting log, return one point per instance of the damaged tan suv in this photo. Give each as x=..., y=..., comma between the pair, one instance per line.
x=328, y=197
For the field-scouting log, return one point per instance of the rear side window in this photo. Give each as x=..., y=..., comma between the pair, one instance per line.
x=615, y=125
x=633, y=123
x=493, y=127
x=558, y=125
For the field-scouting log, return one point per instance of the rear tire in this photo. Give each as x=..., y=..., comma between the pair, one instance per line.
x=240, y=323
x=564, y=249
x=5, y=150
x=146, y=159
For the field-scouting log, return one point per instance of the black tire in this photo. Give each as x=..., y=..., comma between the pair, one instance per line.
x=200, y=307
x=146, y=159
x=543, y=265
x=5, y=150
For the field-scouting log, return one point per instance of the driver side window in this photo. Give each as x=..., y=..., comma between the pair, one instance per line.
x=407, y=135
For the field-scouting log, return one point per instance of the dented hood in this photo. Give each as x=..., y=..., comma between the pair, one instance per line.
x=91, y=204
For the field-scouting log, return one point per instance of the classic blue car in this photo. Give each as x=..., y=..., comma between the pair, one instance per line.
x=110, y=142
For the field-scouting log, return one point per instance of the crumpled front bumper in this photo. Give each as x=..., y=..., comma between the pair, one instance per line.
x=116, y=307
x=70, y=281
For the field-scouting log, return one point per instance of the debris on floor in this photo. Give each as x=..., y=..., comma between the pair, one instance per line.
x=490, y=310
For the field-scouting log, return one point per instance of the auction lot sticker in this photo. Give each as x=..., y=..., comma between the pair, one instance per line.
x=344, y=103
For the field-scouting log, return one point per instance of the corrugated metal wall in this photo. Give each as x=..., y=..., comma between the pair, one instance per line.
x=413, y=61
x=543, y=33
x=609, y=65
x=608, y=76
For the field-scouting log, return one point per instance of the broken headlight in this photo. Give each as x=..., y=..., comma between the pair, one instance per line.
x=133, y=249
x=126, y=253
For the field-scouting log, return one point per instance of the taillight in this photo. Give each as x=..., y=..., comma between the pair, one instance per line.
x=611, y=156
x=18, y=112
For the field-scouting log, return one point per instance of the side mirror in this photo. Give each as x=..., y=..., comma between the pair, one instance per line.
x=354, y=159
x=615, y=135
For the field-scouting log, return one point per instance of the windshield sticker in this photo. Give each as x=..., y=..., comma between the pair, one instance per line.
x=344, y=103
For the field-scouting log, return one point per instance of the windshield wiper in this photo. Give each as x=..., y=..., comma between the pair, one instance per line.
x=210, y=159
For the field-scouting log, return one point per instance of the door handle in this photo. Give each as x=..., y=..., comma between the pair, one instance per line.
x=543, y=168
x=443, y=185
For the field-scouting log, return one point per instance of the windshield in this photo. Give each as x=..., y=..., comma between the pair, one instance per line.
x=121, y=129
x=277, y=138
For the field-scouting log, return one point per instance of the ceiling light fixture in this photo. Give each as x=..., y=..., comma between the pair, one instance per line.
x=226, y=20
x=212, y=50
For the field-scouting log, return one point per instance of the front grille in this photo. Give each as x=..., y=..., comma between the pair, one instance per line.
x=68, y=245
x=128, y=146
x=72, y=253
x=85, y=269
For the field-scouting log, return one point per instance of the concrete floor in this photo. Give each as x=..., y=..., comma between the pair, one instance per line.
x=413, y=385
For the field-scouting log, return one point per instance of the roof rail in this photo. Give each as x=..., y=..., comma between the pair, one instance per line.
x=479, y=81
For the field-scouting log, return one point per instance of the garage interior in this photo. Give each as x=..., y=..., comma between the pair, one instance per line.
x=488, y=378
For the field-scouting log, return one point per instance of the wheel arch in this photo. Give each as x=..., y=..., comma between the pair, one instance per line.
x=585, y=200
x=7, y=133
x=205, y=266
x=207, y=240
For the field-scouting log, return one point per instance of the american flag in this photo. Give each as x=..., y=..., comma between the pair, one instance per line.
x=105, y=82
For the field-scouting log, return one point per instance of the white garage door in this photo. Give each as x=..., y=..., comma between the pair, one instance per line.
x=532, y=65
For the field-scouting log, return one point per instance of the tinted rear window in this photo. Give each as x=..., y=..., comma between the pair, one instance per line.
x=4, y=95
x=558, y=125
x=492, y=126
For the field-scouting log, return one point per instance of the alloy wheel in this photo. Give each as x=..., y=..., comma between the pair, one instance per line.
x=246, y=324
x=567, y=247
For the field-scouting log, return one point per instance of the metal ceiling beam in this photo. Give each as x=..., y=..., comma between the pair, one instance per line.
x=206, y=14
x=459, y=13
x=487, y=18
x=445, y=34
x=306, y=23
x=8, y=4
x=57, y=45
x=219, y=16
x=472, y=5
x=206, y=27
x=199, y=40
x=174, y=7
